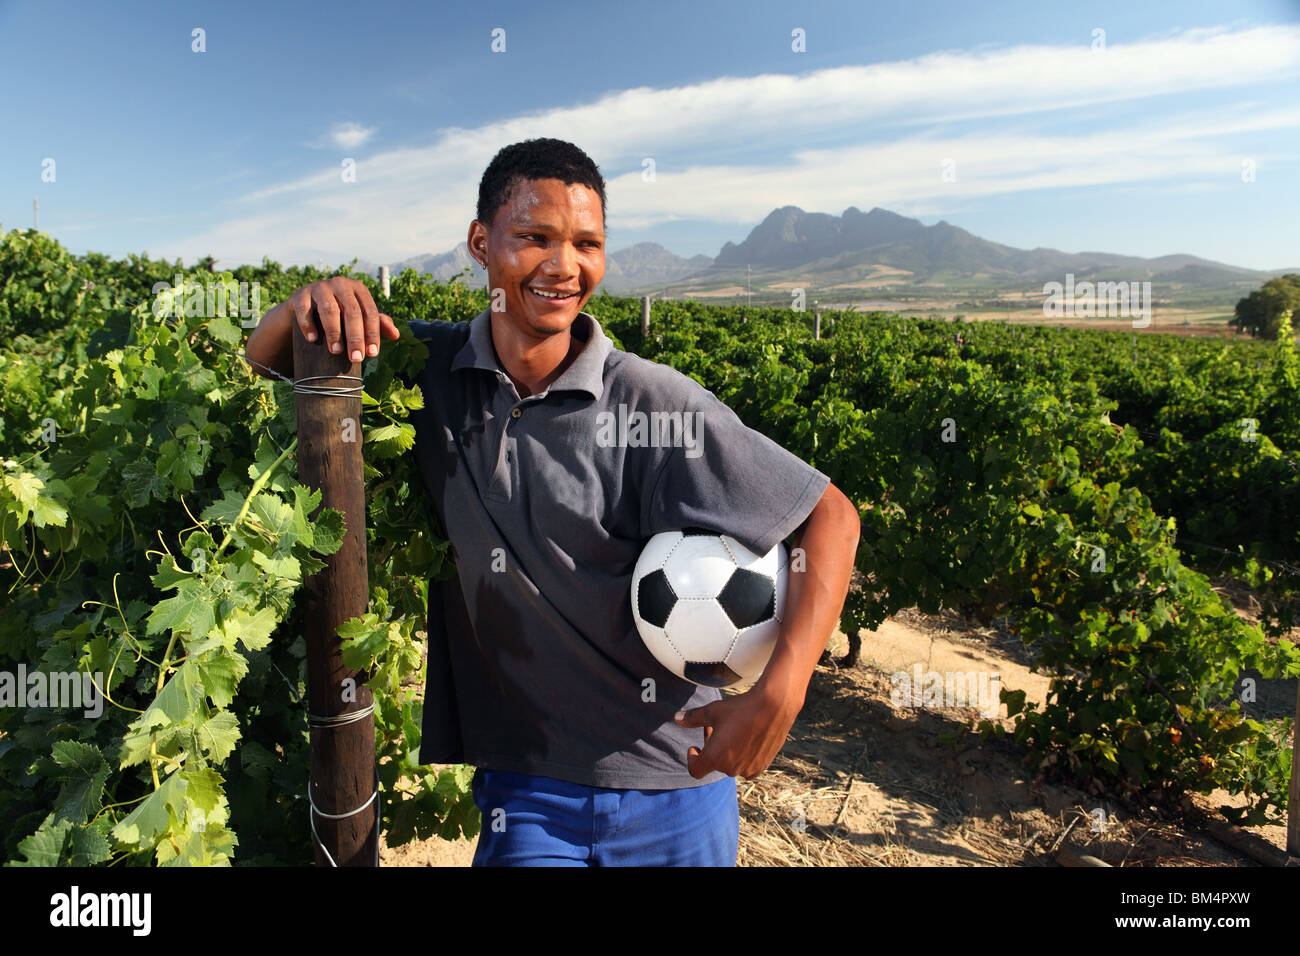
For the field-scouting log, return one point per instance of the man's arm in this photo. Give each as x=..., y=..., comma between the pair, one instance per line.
x=744, y=733
x=271, y=343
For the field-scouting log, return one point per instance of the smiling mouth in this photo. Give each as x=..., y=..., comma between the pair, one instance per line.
x=553, y=298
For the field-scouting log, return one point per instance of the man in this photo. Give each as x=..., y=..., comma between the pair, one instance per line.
x=588, y=751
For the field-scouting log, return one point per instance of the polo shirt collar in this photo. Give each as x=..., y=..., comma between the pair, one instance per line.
x=586, y=374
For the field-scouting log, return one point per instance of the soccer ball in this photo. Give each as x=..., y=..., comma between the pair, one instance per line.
x=707, y=607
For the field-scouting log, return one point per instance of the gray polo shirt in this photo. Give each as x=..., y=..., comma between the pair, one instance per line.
x=535, y=663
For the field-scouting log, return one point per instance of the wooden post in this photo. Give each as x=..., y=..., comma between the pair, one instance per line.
x=817, y=325
x=383, y=282
x=342, y=754
x=1293, y=804
x=645, y=316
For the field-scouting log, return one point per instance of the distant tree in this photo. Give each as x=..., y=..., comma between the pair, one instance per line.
x=1288, y=366
x=1261, y=312
x=1248, y=314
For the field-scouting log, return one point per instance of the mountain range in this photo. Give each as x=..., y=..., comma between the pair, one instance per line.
x=879, y=251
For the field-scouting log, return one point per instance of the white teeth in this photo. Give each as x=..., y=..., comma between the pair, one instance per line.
x=552, y=295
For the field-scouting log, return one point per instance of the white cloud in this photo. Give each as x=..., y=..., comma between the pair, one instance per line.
x=892, y=115
x=904, y=175
x=349, y=135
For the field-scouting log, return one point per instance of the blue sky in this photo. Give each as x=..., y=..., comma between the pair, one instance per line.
x=1135, y=148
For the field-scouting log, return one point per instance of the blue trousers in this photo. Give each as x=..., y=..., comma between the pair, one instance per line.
x=540, y=821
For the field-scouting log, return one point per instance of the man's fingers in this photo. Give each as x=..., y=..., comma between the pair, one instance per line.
x=344, y=292
x=695, y=717
x=300, y=305
x=370, y=312
x=696, y=764
x=354, y=326
x=328, y=310
x=350, y=320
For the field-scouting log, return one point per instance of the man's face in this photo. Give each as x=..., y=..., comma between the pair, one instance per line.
x=547, y=236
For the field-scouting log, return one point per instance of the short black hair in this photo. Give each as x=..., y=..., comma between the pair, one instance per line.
x=535, y=159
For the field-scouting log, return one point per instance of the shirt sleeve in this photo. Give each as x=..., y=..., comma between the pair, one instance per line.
x=728, y=478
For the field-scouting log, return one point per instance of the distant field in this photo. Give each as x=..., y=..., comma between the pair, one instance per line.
x=979, y=297
x=1162, y=319
x=1016, y=308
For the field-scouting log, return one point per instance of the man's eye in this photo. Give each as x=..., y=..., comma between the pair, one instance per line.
x=593, y=243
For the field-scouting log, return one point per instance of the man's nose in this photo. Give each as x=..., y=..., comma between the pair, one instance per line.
x=564, y=259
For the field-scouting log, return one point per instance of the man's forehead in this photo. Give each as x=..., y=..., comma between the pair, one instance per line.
x=526, y=201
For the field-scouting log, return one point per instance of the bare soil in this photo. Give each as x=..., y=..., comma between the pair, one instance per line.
x=862, y=782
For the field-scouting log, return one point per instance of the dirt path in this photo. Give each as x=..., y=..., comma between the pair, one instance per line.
x=863, y=782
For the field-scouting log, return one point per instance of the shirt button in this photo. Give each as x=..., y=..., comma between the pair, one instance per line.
x=515, y=412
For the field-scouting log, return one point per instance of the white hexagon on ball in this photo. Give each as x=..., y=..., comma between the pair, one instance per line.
x=707, y=634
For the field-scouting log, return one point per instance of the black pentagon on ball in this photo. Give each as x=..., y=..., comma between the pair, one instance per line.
x=655, y=598
x=748, y=598
x=710, y=673
x=695, y=532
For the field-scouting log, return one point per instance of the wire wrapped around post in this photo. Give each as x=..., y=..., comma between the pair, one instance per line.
x=343, y=789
